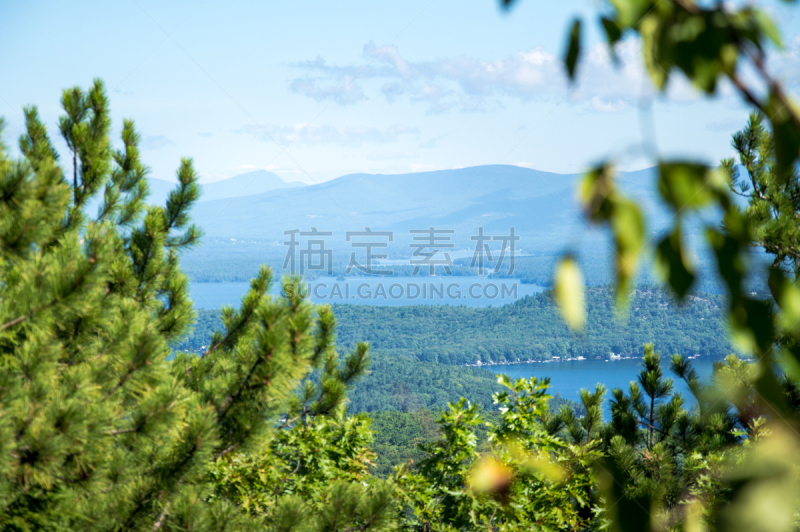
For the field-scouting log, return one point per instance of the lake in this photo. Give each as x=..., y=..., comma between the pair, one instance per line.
x=568, y=377
x=472, y=291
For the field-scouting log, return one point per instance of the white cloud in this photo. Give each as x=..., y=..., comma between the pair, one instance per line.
x=474, y=85
x=155, y=142
x=608, y=107
x=468, y=84
x=345, y=93
x=429, y=144
x=526, y=75
x=785, y=64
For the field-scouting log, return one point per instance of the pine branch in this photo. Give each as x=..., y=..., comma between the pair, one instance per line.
x=224, y=452
x=161, y=518
x=121, y=382
x=13, y=322
x=228, y=402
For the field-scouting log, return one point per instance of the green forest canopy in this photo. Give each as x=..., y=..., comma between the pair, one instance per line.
x=529, y=329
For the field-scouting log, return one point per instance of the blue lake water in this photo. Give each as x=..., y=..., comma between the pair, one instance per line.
x=383, y=291
x=568, y=377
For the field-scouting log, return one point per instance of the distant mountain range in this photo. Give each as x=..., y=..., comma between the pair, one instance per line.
x=540, y=206
x=244, y=225
x=255, y=182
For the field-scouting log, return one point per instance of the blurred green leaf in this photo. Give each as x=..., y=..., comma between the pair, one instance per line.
x=673, y=263
x=752, y=327
x=786, y=134
x=613, y=34
x=603, y=203
x=703, y=43
x=628, y=225
x=568, y=291
x=594, y=191
x=649, y=30
x=613, y=31
x=770, y=390
x=765, y=486
x=703, y=47
x=790, y=310
x=729, y=252
x=573, y=49
x=689, y=185
x=789, y=360
x=768, y=27
x=630, y=12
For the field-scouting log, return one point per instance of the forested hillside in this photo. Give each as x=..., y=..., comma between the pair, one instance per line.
x=406, y=384
x=418, y=351
x=530, y=329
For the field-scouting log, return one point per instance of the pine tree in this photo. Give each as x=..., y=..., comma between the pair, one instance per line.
x=583, y=429
x=773, y=196
x=102, y=426
x=667, y=455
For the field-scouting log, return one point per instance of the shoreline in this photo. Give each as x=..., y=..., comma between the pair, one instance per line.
x=613, y=358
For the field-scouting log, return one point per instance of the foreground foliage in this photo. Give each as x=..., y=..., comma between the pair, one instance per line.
x=711, y=43
x=99, y=428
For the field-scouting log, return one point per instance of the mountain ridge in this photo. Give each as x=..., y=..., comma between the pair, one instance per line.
x=491, y=196
x=247, y=184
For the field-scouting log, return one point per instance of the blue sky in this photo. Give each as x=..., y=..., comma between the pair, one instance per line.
x=378, y=87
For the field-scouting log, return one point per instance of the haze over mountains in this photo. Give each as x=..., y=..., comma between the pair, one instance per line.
x=540, y=205
x=255, y=182
x=242, y=232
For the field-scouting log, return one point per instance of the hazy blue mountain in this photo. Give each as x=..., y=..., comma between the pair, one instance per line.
x=247, y=231
x=248, y=184
x=540, y=205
